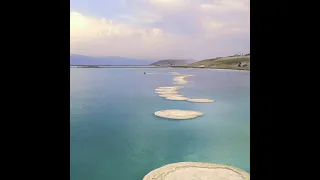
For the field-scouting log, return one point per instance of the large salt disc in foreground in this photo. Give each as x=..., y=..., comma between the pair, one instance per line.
x=178, y=114
x=198, y=100
x=197, y=171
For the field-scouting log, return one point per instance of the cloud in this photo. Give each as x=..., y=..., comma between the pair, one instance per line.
x=227, y=6
x=157, y=29
x=91, y=36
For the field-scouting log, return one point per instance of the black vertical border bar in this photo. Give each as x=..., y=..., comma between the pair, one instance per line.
x=48, y=97
x=38, y=57
x=272, y=110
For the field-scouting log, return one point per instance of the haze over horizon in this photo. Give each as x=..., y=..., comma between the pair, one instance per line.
x=160, y=29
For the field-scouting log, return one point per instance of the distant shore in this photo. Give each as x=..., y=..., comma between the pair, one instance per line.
x=106, y=66
x=230, y=68
x=184, y=67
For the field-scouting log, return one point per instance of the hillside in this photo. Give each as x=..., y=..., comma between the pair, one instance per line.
x=224, y=63
x=171, y=62
x=109, y=60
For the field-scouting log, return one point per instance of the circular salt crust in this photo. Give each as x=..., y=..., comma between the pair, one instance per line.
x=179, y=78
x=170, y=87
x=176, y=98
x=200, y=100
x=178, y=114
x=183, y=76
x=180, y=82
x=197, y=170
x=165, y=92
x=170, y=95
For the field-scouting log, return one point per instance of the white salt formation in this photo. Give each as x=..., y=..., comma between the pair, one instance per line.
x=200, y=100
x=175, y=73
x=165, y=90
x=176, y=98
x=180, y=82
x=197, y=171
x=178, y=114
x=170, y=95
x=170, y=92
x=170, y=87
x=181, y=79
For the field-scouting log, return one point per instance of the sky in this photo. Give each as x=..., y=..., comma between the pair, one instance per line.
x=160, y=29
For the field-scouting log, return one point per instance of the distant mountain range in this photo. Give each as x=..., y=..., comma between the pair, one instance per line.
x=171, y=62
x=77, y=60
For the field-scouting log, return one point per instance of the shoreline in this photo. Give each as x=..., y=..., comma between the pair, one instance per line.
x=175, y=67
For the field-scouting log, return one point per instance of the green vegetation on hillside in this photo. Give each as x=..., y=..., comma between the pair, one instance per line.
x=224, y=63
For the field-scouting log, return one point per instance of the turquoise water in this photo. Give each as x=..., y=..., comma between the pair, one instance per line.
x=115, y=136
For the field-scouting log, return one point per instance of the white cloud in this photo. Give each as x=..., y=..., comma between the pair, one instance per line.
x=168, y=4
x=226, y=6
x=91, y=36
x=147, y=31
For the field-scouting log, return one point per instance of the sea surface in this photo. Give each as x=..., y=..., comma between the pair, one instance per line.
x=114, y=134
